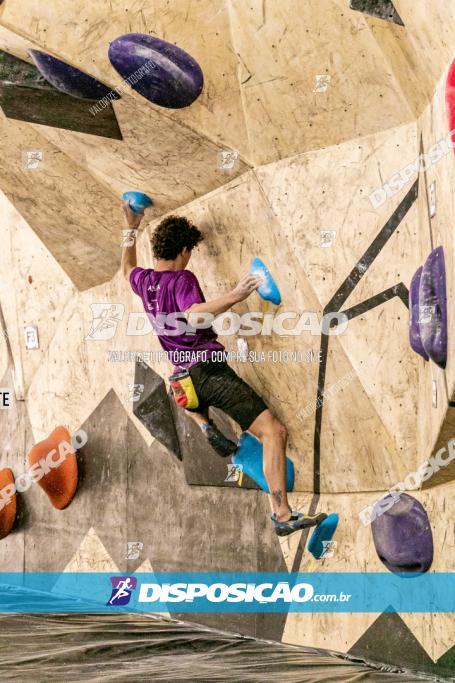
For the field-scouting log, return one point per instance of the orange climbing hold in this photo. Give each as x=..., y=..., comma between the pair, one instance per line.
x=7, y=502
x=53, y=462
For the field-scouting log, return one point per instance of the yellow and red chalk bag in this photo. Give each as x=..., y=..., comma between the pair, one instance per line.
x=183, y=389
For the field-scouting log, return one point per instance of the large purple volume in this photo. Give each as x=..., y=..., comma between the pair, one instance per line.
x=158, y=70
x=402, y=534
x=414, y=308
x=68, y=79
x=433, y=307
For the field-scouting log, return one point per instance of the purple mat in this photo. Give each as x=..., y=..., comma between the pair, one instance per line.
x=414, y=326
x=68, y=79
x=161, y=72
x=402, y=534
x=433, y=307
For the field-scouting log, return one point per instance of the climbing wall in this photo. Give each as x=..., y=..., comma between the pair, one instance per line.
x=316, y=110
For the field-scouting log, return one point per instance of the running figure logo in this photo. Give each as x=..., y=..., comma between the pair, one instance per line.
x=122, y=587
x=105, y=319
x=235, y=473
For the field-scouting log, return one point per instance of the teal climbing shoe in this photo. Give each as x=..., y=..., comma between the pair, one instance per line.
x=297, y=522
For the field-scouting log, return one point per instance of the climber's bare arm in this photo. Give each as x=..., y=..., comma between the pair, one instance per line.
x=129, y=235
x=242, y=291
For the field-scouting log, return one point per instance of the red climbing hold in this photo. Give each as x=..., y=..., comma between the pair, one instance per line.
x=53, y=462
x=7, y=502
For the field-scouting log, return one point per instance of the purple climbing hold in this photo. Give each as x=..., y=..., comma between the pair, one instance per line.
x=433, y=307
x=414, y=308
x=70, y=80
x=402, y=534
x=159, y=71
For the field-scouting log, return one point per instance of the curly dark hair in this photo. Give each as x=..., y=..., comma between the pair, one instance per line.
x=172, y=235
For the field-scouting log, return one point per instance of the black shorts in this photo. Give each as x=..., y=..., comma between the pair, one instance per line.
x=219, y=386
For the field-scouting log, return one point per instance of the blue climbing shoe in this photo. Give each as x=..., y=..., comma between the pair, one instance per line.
x=297, y=522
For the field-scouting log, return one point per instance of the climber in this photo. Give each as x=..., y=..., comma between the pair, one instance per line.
x=200, y=381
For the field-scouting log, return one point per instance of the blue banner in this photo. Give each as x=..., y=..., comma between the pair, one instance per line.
x=227, y=592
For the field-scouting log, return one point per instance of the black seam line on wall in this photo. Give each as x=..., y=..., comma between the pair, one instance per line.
x=303, y=538
x=367, y=259
x=400, y=290
x=339, y=298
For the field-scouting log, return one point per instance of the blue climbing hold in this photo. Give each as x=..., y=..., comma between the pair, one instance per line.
x=268, y=290
x=138, y=201
x=322, y=535
x=249, y=457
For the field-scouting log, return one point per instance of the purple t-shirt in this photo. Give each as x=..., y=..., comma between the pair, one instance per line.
x=174, y=291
